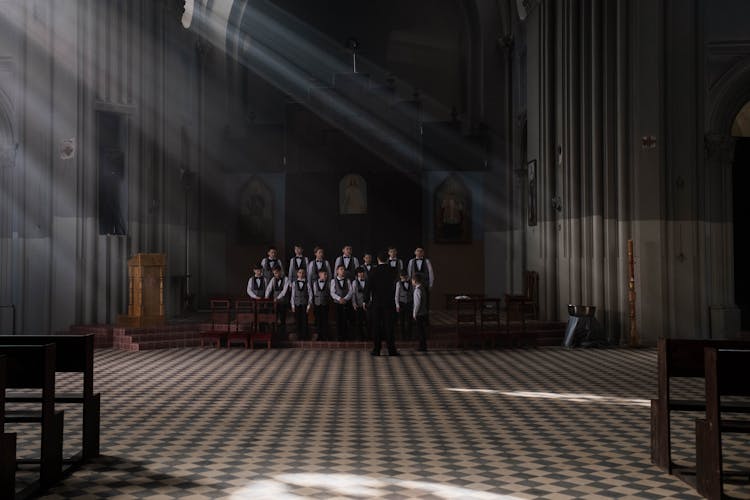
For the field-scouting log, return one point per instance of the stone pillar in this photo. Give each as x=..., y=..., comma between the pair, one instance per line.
x=724, y=315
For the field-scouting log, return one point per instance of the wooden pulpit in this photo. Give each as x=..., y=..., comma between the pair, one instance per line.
x=146, y=273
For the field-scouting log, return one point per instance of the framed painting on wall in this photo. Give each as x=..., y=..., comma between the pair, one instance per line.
x=352, y=195
x=256, y=212
x=452, y=212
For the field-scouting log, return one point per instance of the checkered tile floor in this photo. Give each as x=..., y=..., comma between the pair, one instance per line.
x=284, y=424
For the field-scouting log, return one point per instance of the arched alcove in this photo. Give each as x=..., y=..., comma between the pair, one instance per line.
x=727, y=160
x=741, y=125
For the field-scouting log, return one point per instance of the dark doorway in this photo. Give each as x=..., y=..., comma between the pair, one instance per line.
x=740, y=180
x=113, y=184
x=394, y=214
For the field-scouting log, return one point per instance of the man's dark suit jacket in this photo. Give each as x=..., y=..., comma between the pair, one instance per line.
x=380, y=286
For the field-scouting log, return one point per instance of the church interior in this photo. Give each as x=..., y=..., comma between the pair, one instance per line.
x=549, y=157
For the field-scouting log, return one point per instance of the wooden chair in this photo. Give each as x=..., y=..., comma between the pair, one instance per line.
x=680, y=358
x=514, y=303
x=33, y=367
x=7, y=445
x=74, y=354
x=489, y=318
x=466, y=319
x=528, y=302
x=220, y=323
x=265, y=322
x=244, y=322
x=727, y=373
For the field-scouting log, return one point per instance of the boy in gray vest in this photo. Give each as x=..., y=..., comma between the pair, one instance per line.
x=341, y=295
x=367, y=264
x=256, y=285
x=349, y=262
x=321, y=298
x=278, y=290
x=319, y=263
x=269, y=262
x=301, y=303
x=421, y=312
x=404, y=304
x=299, y=261
x=359, y=305
x=393, y=259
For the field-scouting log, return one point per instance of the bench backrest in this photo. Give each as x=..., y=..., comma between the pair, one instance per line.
x=727, y=374
x=684, y=358
x=30, y=367
x=75, y=353
x=3, y=368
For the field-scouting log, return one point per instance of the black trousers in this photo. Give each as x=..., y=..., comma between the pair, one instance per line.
x=281, y=309
x=382, y=316
x=321, y=321
x=342, y=321
x=405, y=315
x=361, y=324
x=300, y=317
x=422, y=331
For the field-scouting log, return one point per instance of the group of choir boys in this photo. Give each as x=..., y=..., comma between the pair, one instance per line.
x=313, y=284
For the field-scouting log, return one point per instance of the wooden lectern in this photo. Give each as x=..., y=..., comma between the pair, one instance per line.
x=146, y=273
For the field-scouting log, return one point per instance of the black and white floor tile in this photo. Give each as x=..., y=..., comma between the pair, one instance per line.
x=286, y=424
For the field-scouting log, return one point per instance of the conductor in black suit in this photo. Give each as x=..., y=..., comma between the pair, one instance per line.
x=379, y=294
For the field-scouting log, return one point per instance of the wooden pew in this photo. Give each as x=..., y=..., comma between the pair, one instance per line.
x=680, y=358
x=7, y=444
x=75, y=354
x=727, y=374
x=33, y=367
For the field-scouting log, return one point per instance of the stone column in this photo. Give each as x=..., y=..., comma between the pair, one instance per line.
x=724, y=315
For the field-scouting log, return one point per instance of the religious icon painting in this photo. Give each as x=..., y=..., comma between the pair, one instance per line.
x=256, y=212
x=452, y=212
x=353, y=195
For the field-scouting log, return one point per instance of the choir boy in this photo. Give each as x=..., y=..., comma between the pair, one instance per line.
x=394, y=261
x=341, y=295
x=321, y=298
x=421, y=266
x=278, y=290
x=404, y=299
x=367, y=264
x=350, y=263
x=421, y=312
x=301, y=303
x=256, y=285
x=359, y=305
x=299, y=261
x=269, y=262
x=318, y=264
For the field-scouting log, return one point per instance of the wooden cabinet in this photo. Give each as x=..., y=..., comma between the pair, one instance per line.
x=146, y=272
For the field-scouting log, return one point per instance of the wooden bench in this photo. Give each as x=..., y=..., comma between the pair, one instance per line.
x=244, y=323
x=221, y=315
x=33, y=367
x=74, y=354
x=7, y=444
x=680, y=358
x=727, y=374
